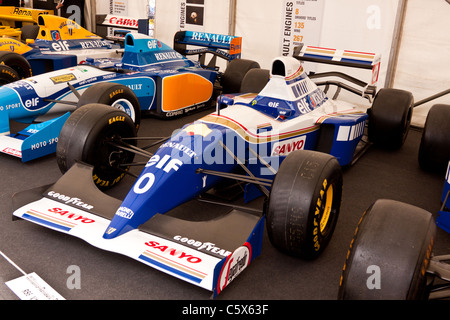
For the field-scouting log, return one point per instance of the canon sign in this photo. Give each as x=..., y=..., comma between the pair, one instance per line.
x=123, y=22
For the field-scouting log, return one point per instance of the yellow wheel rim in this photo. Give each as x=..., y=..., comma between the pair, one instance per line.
x=327, y=209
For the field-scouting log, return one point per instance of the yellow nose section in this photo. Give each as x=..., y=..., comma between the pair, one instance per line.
x=185, y=90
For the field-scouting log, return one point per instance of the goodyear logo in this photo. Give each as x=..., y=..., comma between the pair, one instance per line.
x=63, y=78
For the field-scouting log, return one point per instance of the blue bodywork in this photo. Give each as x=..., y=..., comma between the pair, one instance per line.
x=443, y=218
x=148, y=67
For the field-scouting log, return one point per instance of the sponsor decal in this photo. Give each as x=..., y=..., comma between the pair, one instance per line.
x=93, y=44
x=71, y=215
x=173, y=260
x=69, y=200
x=172, y=252
x=168, y=56
x=177, y=146
x=283, y=148
x=234, y=265
x=125, y=212
x=205, y=246
x=63, y=78
x=57, y=218
x=55, y=35
x=123, y=22
x=13, y=152
x=153, y=44
x=22, y=12
x=302, y=88
x=209, y=37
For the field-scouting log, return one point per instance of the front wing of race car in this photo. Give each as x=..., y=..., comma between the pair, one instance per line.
x=35, y=141
x=209, y=254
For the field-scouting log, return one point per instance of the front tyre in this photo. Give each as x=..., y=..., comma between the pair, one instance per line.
x=7, y=75
x=89, y=135
x=389, y=254
x=116, y=95
x=304, y=203
x=16, y=62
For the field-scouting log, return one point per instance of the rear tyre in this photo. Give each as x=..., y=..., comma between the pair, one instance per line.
x=389, y=254
x=255, y=80
x=234, y=74
x=304, y=203
x=434, y=150
x=390, y=118
x=116, y=95
x=86, y=137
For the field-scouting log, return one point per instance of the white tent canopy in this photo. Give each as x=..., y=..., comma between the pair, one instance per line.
x=419, y=64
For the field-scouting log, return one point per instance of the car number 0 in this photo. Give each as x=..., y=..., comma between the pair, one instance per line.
x=144, y=183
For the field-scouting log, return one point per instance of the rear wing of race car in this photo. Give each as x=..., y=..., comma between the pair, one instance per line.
x=9, y=15
x=344, y=58
x=223, y=46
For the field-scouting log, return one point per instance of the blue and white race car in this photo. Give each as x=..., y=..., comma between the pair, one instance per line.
x=151, y=78
x=274, y=143
x=398, y=239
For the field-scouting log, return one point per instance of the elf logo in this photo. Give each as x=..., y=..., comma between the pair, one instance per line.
x=31, y=103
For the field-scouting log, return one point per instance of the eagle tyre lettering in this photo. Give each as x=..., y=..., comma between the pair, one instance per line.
x=7, y=75
x=86, y=137
x=116, y=95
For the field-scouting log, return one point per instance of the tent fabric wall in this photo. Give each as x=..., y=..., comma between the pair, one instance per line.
x=423, y=65
x=347, y=24
x=360, y=25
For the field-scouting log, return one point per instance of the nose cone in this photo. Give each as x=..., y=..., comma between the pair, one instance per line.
x=10, y=106
x=170, y=177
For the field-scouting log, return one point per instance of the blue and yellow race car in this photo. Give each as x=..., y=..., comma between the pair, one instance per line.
x=51, y=43
x=150, y=78
x=281, y=138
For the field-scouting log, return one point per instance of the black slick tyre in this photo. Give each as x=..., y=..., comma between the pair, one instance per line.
x=255, y=80
x=7, y=75
x=86, y=137
x=235, y=72
x=116, y=95
x=16, y=62
x=389, y=254
x=390, y=118
x=434, y=150
x=304, y=203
